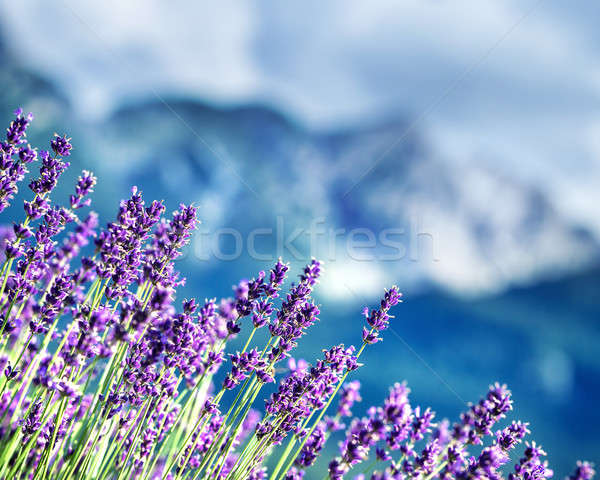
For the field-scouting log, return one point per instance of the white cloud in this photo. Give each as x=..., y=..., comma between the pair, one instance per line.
x=345, y=279
x=105, y=51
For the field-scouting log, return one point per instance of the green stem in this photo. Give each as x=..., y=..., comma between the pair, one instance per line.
x=323, y=410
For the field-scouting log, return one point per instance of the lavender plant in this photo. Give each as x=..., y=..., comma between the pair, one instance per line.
x=107, y=376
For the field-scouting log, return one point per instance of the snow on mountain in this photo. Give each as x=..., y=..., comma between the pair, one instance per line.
x=468, y=226
x=470, y=230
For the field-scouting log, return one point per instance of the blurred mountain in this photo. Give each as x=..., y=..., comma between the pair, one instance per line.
x=469, y=229
x=466, y=228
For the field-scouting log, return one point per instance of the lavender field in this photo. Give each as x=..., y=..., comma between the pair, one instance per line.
x=214, y=215
x=106, y=376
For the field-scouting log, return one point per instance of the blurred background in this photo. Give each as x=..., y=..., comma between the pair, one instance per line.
x=452, y=148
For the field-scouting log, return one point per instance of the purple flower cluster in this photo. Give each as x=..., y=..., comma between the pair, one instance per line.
x=120, y=245
x=255, y=297
x=296, y=314
x=50, y=171
x=349, y=394
x=85, y=186
x=584, y=471
x=242, y=364
x=301, y=393
x=15, y=155
x=106, y=375
x=532, y=466
x=396, y=426
x=378, y=319
x=479, y=420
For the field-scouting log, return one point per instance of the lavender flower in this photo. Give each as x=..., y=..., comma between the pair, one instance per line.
x=106, y=375
x=349, y=395
x=14, y=157
x=85, y=186
x=584, y=471
x=531, y=466
x=242, y=364
x=299, y=394
x=50, y=171
x=17, y=128
x=61, y=145
x=32, y=422
x=480, y=418
x=378, y=319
